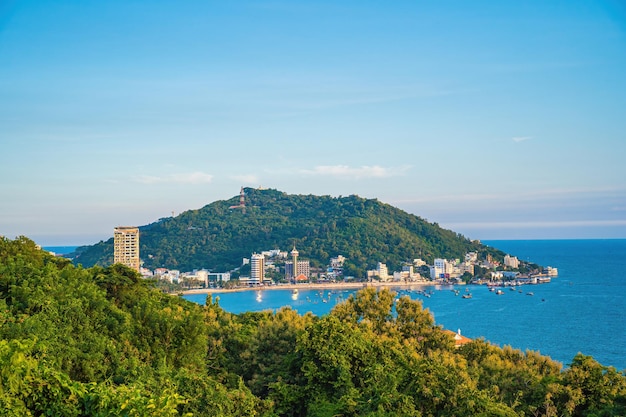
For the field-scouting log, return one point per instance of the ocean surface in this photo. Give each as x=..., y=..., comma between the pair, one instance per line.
x=582, y=310
x=60, y=250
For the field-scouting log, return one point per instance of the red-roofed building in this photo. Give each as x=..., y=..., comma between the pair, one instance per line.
x=302, y=278
x=459, y=340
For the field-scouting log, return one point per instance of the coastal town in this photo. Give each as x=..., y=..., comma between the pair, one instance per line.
x=275, y=267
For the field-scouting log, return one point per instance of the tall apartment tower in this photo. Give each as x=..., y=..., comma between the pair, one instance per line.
x=126, y=246
x=257, y=268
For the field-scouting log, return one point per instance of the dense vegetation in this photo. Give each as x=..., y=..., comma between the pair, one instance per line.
x=101, y=342
x=364, y=231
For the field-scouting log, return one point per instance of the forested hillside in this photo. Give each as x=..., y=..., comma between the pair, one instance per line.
x=102, y=342
x=363, y=230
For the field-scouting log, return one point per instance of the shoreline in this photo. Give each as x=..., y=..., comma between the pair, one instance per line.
x=313, y=286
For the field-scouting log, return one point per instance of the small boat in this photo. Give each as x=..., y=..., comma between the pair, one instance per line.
x=530, y=293
x=499, y=292
x=467, y=295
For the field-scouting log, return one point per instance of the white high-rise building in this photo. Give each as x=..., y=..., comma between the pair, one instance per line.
x=257, y=268
x=382, y=271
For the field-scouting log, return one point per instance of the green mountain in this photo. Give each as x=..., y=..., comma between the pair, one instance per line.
x=217, y=236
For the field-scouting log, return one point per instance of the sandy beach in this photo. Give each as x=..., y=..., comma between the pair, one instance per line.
x=313, y=286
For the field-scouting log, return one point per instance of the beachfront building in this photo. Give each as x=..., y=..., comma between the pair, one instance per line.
x=218, y=277
x=196, y=278
x=171, y=275
x=407, y=274
x=438, y=269
x=550, y=271
x=381, y=272
x=257, y=268
x=126, y=246
x=303, y=268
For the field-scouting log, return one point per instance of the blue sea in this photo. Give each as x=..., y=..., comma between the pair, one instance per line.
x=60, y=250
x=582, y=310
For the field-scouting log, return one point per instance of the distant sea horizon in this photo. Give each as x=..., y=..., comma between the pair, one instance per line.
x=61, y=250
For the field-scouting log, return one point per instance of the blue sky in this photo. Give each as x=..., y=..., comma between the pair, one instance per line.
x=499, y=120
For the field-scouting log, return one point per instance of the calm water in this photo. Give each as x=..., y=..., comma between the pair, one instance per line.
x=583, y=310
x=60, y=250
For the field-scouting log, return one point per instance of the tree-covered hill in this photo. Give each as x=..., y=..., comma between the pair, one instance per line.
x=216, y=237
x=103, y=342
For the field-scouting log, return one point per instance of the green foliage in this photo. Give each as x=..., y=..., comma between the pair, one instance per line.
x=104, y=342
x=365, y=231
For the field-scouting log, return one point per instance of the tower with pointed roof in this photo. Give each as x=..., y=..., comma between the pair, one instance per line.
x=294, y=258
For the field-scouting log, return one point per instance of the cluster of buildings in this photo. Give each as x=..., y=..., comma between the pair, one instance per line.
x=457, y=269
x=265, y=267
x=440, y=269
x=295, y=270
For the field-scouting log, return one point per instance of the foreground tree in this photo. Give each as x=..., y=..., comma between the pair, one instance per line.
x=104, y=342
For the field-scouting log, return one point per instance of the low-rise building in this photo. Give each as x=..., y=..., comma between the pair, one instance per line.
x=459, y=340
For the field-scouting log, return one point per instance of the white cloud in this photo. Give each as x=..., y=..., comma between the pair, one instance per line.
x=365, y=171
x=518, y=139
x=182, y=178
